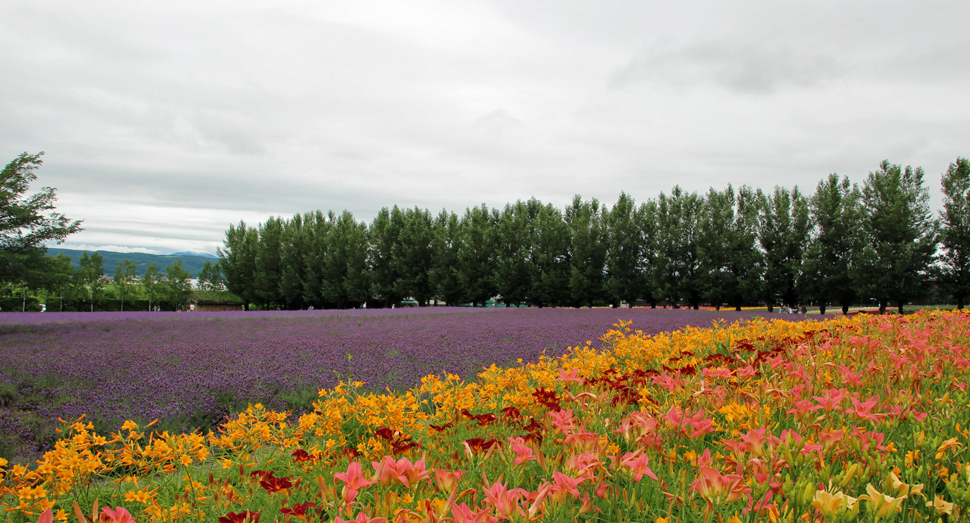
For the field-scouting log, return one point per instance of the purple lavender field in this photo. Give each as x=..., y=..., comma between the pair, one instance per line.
x=190, y=370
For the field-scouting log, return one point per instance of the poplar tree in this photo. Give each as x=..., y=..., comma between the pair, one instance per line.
x=714, y=244
x=237, y=261
x=385, y=232
x=649, y=232
x=292, y=263
x=955, y=230
x=445, y=243
x=476, y=254
x=830, y=268
x=268, y=268
x=412, y=256
x=783, y=235
x=152, y=283
x=900, y=234
x=624, y=241
x=677, y=267
x=514, y=265
x=587, y=252
x=552, y=258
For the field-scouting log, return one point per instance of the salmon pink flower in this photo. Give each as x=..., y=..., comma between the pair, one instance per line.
x=506, y=502
x=718, y=488
x=361, y=518
x=863, y=409
x=562, y=485
x=831, y=401
x=46, y=517
x=569, y=377
x=464, y=514
x=447, y=480
x=118, y=515
x=353, y=481
x=523, y=452
x=640, y=465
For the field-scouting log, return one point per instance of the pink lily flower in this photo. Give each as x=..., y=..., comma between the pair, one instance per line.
x=523, y=452
x=353, y=481
x=118, y=515
x=640, y=464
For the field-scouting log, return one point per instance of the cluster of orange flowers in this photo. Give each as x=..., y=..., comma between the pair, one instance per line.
x=848, y=419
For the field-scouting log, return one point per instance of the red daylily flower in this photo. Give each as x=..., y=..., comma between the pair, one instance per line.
x=240, y=517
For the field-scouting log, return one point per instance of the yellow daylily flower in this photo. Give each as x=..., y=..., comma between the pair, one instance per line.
x=940, y=505
x=882, y=504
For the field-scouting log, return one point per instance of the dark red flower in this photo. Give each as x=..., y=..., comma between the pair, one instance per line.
x=300, y=456
x=274, y=485
x=241, y=517
x=298, y=510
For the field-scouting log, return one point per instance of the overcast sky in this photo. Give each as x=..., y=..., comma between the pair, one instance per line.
x=164, y=122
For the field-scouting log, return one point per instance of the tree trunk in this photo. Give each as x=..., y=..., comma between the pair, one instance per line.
x=845, y=309
x=900, y=307
x=821, y=308
x=23, y=306
x=960, y=303
x=882, y=307
x=771, y=308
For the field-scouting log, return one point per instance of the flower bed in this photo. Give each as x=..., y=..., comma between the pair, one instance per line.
x=191, y=370
x=859, y=418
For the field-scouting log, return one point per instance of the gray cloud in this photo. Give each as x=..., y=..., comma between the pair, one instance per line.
x=163, y=123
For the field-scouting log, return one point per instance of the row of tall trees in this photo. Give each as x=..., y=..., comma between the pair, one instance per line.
x=841, y=245
x=87, y=286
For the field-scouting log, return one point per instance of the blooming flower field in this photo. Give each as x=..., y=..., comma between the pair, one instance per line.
x=850, y=419
x=190, y=370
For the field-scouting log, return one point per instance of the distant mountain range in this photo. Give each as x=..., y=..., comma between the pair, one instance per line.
x=191, y=262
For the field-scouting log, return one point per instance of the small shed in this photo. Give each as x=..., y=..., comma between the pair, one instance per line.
x=214, y=301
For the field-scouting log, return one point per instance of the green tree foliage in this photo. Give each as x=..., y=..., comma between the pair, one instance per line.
x=745, y=261
x=177, y=285
x=783, y=234
x=59, y=275
x=714, y=245
x=151, y=282
x=412, y=256
x=237, y=260
x=736, y=247
x=830, y=265
x=552, y=258
x=646, y=220
x=445, y=244
x=476, y=254
x=677, y=267
x=337, y=264
x=587, y=252
x=90, y=277
x=900, y=234
x=124, y=280
x=514, y=245
x=27, y=222
x=624, y=239
x=385, y=235
x=268, y=263
x=210, y=277
x=292, y=263
x=955, y=230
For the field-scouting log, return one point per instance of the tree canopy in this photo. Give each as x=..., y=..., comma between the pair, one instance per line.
x=27, y=222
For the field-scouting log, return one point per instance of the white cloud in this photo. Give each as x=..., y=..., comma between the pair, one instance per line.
x=163, y=123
